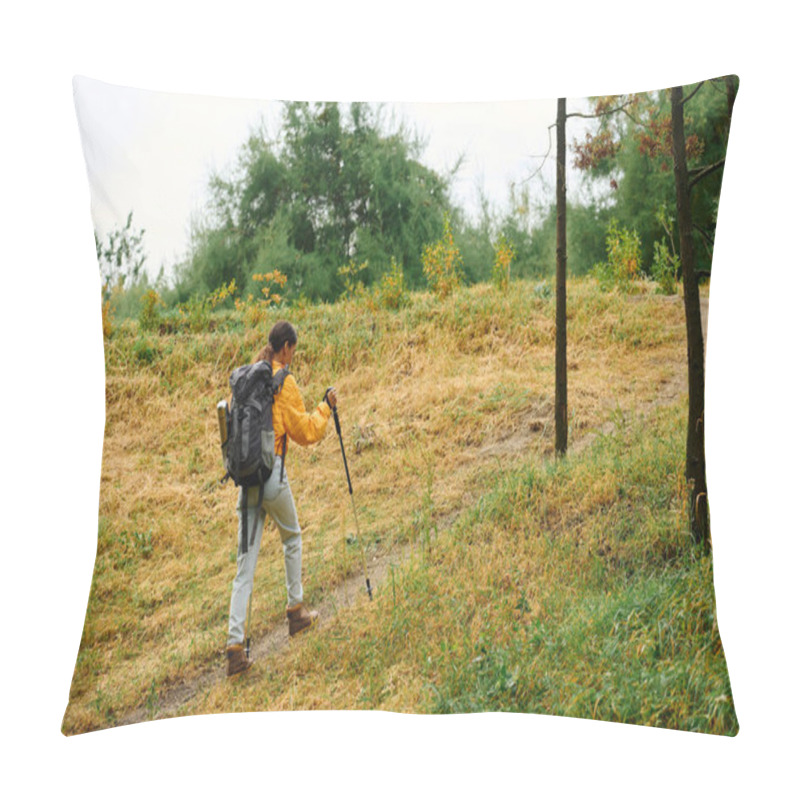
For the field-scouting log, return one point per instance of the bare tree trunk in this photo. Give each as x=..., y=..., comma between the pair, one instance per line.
x=561, y=277
x=695, y=434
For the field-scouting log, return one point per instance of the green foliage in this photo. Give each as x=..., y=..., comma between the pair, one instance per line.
x=631, y=153
x=531, y=232
x=195, y=313
x=336, y=184
x=623, y=259
x=144, y=351
x=666, y=267
x=442, y=263
x=120, y=256
x=626, y=630
x=666, y=261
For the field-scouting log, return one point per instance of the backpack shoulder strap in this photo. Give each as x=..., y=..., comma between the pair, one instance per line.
x=278, y=378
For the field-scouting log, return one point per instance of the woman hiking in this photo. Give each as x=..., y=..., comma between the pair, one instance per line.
x=290, y=420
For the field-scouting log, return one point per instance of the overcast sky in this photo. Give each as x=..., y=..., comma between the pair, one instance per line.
x=152, y=153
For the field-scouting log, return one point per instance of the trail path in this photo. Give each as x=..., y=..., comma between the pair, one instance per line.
x=352, y=591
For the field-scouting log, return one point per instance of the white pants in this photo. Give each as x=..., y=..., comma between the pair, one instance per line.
x=278, y=502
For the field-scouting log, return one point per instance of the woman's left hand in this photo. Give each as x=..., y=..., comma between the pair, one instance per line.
x=330, y=397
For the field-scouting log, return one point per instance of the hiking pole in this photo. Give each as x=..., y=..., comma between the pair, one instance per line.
x=352, y=500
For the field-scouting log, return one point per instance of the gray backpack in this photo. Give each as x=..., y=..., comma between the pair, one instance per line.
x=250, y=447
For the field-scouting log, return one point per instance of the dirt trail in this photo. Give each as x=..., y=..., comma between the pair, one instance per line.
x=352, y=591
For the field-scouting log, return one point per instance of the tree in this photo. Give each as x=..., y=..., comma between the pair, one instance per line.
x=631, y=153
x=561, y=271
x=659, y=131
x=120, y=257
x=695, y=438
x=332, y=187
x=561, y=278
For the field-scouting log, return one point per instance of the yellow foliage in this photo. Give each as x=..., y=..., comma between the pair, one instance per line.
x=442, y=263
x=503, y=256
x=350, y=272
x=392, y=288
x=107, y=319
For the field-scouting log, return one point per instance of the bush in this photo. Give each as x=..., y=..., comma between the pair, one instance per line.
x=503, y=256
x=666, y=267
x=392, y=292
x=255, y=311
x=350, y=274
x=666, y=261
x=196, y=312
x=623, y=264
x=149, y=316
x=442, y=263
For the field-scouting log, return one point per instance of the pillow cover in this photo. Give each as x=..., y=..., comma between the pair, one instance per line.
x=460, y=537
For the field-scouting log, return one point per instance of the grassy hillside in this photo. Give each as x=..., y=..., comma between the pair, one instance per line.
x=517, y=582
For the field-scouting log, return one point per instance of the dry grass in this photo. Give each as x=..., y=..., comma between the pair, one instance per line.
x=434, y=399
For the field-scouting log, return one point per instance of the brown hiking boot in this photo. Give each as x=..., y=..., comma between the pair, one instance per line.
x=237, y=660
x=300, y=618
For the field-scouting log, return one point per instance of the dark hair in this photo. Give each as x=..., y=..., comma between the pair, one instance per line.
x=281, y=333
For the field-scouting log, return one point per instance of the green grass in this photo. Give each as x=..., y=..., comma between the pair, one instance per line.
x=626, y=627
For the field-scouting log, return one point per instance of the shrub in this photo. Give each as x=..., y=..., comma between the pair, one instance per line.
x=196, y=312
x=273, y=280
x=666, y=266
x=353, y=285
x=255, y=311
x=503, y=256
x=109, y=297
x=392, y=289
x=149, y=316
x=623, y=264
x=442, y=263
x=107, y=313
x=666, y=261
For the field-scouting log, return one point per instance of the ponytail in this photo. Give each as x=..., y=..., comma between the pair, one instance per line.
x=282, y=332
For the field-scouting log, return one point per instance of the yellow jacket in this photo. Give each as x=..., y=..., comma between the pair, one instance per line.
x=289, y=415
